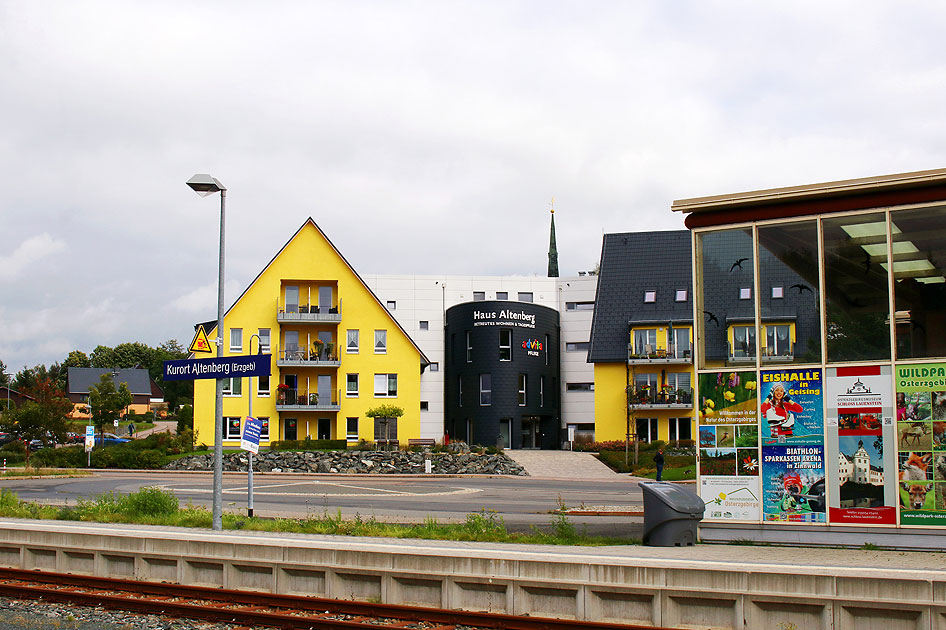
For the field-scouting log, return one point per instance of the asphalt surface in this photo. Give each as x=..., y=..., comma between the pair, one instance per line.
x=601, y=506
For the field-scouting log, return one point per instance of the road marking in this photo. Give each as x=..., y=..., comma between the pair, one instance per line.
x=392, y=493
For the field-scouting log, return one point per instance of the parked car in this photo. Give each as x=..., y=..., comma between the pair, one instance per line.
x=110, y=439
x=6, y=438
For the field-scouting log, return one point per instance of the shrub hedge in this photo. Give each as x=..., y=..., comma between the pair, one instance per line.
x=309, y=445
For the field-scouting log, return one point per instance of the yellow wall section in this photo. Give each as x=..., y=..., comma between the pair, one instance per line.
x=610, y=401
x=307, y=259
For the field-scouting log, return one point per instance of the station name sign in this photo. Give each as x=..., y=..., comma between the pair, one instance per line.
x=226, y=367
x=504, y=318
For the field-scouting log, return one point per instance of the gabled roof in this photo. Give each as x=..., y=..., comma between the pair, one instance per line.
x=632, y=263
x=210, y=326
x=137, y=379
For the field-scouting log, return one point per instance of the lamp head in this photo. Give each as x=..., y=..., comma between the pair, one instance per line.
x=203, y=184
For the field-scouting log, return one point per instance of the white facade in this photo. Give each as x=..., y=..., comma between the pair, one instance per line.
x=419, y=303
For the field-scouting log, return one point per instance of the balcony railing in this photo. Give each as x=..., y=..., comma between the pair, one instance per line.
x=647, y=354
x=742, y=353
x=299, y=357
x=649, y=397
x=780, y=355
x=308, y=314
x=301, y=400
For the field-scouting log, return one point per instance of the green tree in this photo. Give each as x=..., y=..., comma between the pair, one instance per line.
x=107, y=401
x=77, y=358
x=4, y=379
x=43, y=418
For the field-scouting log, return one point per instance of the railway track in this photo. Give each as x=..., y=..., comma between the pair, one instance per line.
x=257, y=609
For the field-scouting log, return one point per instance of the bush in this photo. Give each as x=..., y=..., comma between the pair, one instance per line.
x=309, y=445
x=148, y=501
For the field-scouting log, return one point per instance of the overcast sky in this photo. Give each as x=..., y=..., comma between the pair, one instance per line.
x=423, y=137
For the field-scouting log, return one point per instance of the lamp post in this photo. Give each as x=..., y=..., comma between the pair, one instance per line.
x=205, y=185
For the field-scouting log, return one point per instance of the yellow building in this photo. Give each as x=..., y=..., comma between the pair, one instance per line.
x=337, y=352
x=642, y=338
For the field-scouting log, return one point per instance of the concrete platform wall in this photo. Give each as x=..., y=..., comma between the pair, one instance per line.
x=573, y=585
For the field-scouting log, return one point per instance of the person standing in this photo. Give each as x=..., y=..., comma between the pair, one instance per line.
x=659, y=460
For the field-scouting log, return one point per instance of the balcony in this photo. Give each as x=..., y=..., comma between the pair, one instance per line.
x=309, y=314
x=742, y=353
x=300, y=400
x=779, y=355
x=649, y=354
x=652, y=398
x=308, y=358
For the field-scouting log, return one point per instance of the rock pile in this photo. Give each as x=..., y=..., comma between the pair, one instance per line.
x=359, y=462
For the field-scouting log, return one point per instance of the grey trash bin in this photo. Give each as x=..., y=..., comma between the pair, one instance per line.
x=671, y=513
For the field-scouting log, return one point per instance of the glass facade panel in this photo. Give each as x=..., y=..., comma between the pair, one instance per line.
x=788, y=259
x=856, y=288
x=919, y=275
x=724, y=266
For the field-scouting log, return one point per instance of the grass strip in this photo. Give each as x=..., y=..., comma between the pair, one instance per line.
x=155, y=506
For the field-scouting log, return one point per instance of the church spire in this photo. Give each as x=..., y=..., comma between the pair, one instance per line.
x=553, y=250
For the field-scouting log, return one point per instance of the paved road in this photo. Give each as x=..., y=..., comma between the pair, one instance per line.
x=520, y=501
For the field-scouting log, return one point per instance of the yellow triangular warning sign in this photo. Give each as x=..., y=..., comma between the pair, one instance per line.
x=200, y=342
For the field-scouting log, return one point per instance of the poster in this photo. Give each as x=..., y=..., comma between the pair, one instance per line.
x=730, y=498
x=729, y=446
x=859, y=413
x=793, y=483
x=792, y=435
x=921, y=445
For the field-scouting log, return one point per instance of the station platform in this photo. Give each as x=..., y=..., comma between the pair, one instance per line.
x=704, y=586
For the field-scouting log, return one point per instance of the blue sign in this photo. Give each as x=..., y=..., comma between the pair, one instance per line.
x=226, y=367
x=251, y=432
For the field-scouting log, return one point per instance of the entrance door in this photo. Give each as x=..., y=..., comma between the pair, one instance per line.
x=530, y=432
x=325, y=429
x=291, y=345
x=290, y=431
x=292, y=299
x=505, y=432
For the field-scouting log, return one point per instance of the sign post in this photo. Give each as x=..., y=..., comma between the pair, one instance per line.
x=89, y=442
x=250, y=442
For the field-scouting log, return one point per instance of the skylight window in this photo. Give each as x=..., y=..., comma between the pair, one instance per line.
x=650, y=296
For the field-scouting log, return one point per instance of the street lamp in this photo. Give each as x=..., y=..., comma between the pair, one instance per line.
x=205, y=185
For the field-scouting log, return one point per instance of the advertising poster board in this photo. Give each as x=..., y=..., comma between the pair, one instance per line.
x=792, y=436
x=921, y=443
x=729, y=446
x=860, y=428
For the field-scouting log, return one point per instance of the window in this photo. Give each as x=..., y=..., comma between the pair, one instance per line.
x=469, y=347
x=743, y=341
x=392, y=305
x=645, y=341
x=380, y=342
x=577, y=346
x=681, y=295
x=236, y=340
x=233, y=428
x=264, y=340
x=479, y=296
x=424, y=405
x=647, y=429
x=678, y=380
x=351, y=346
x=351, y=386
x=502, y=295
x=262, y=386
x=745, y=293
x=435, y=367
x=505, y=345
x=778, y=293
x=232, y=386
x=385, y=385
x=650, y=296
x=424, y=325
x=486, y=390
x=541, y=391
x=522, y=390
x=579, y=306
x=681, y=343
x=778, y=340
x=460, y=390
x=525, y=297
x=264, y=432
x=351, y=429
x=579, y=387
x=547, y=349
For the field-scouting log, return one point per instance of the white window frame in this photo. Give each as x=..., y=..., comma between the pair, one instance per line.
x=351, y=436
x=349, y=348
x=383, y=385
x=267, y=334
x=505, y=347
x=460, y=390
x=228, y=423
x=264, y=431
x=778, y=293
x=523, y=397
x=263, y=393
x=745, y=293
x=228, y=389
x=650, y=297
x=488, y=392
x=469, y=347
x=525, y=296
x=479, y=296
x=680, y=296
x=502, y=295
x=348, y=392
x=236, y=340
x=381, y=335
x=541, y=391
